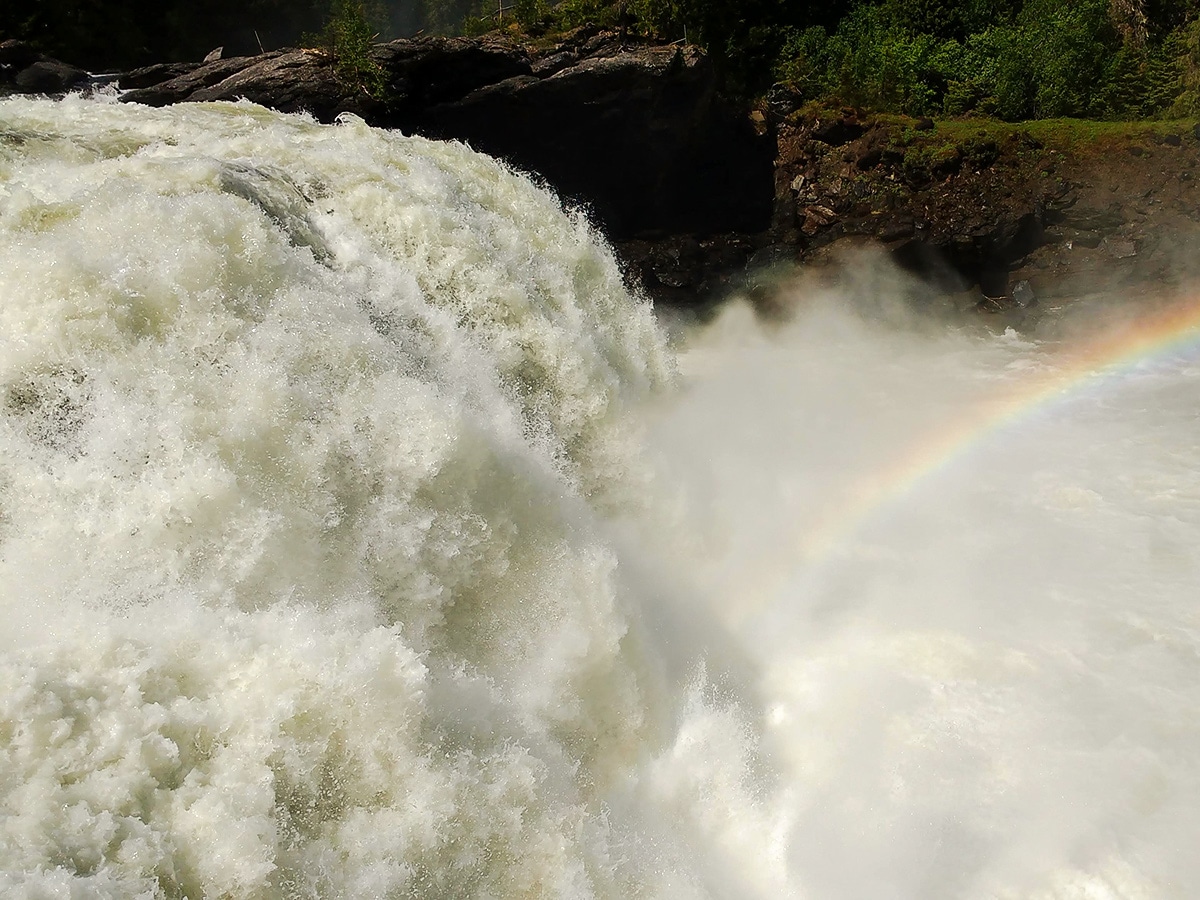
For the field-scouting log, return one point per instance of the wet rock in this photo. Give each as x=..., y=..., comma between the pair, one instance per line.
x=816, y=218
x=294, y=81
x=687, y=270
x=1056, y=207
x=896, y=230
x=49, y=76
x=149, y=76
x=25, y=70
x=1091, y=218
x=424, y=72
x=641, y=135
x=182, y=87
x=551, y=65
x=1119, y=248
x=1023, y=295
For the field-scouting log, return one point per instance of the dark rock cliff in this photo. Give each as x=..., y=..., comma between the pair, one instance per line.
x=639, y=134
x=979, y=208
x=24, y=70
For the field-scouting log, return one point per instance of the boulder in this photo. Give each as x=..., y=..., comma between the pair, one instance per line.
x=24, y=70
x=286, y=80
x=292, y=81
x=181, y=87
x=49, y=76
x=149, y=76
x=1023, y=294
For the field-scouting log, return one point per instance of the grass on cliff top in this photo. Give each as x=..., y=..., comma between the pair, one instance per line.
x=930, y=149
x=1053, y=134
x=1064, y=135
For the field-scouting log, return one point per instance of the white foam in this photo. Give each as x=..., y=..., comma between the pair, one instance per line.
x=335, y=561
x=306, y=433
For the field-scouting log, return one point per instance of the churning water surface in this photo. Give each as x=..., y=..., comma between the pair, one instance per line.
x=361, y=538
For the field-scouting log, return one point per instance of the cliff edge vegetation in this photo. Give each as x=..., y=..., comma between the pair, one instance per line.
x=1009, y=59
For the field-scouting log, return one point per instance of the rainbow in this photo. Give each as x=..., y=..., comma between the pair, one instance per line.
x=1166, y=333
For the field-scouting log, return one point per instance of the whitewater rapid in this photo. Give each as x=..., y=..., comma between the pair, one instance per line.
x=359, y=538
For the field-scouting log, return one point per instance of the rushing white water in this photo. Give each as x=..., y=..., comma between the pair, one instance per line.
x=357, y=543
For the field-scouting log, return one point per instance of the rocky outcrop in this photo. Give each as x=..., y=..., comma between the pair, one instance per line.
x=961, y=211
x=24, y=70
x=290, y=81
x=1003, y=219
x=424, y=73
x=637, y=133
x=980, y=208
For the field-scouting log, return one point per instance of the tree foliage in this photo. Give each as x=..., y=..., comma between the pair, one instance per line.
x=1009, y=58
x=348, y=36
x=1042, y=58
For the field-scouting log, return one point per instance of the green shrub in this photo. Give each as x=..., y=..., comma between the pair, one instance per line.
x=573, y=13
x=1183, y=47
x=997, y=70
x=1050, y=58
x=532, y=15
x=871, y=61
x=1014, y=59
x=348, y=36
x=1069, y=43
x=804, y=62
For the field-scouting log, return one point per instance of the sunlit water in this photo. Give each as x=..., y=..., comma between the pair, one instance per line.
x=361, y=540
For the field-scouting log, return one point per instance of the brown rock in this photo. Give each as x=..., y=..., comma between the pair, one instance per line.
x=180, y=88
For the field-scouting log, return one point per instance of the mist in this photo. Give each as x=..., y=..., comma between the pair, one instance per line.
x=959, y=564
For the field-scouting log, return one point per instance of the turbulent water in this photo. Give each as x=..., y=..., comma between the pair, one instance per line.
x=360, y=540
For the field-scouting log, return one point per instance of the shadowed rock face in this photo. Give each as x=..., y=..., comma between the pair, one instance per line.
x=640, y=135
x=290, y=81
x=637, y=134
x=24, y=70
